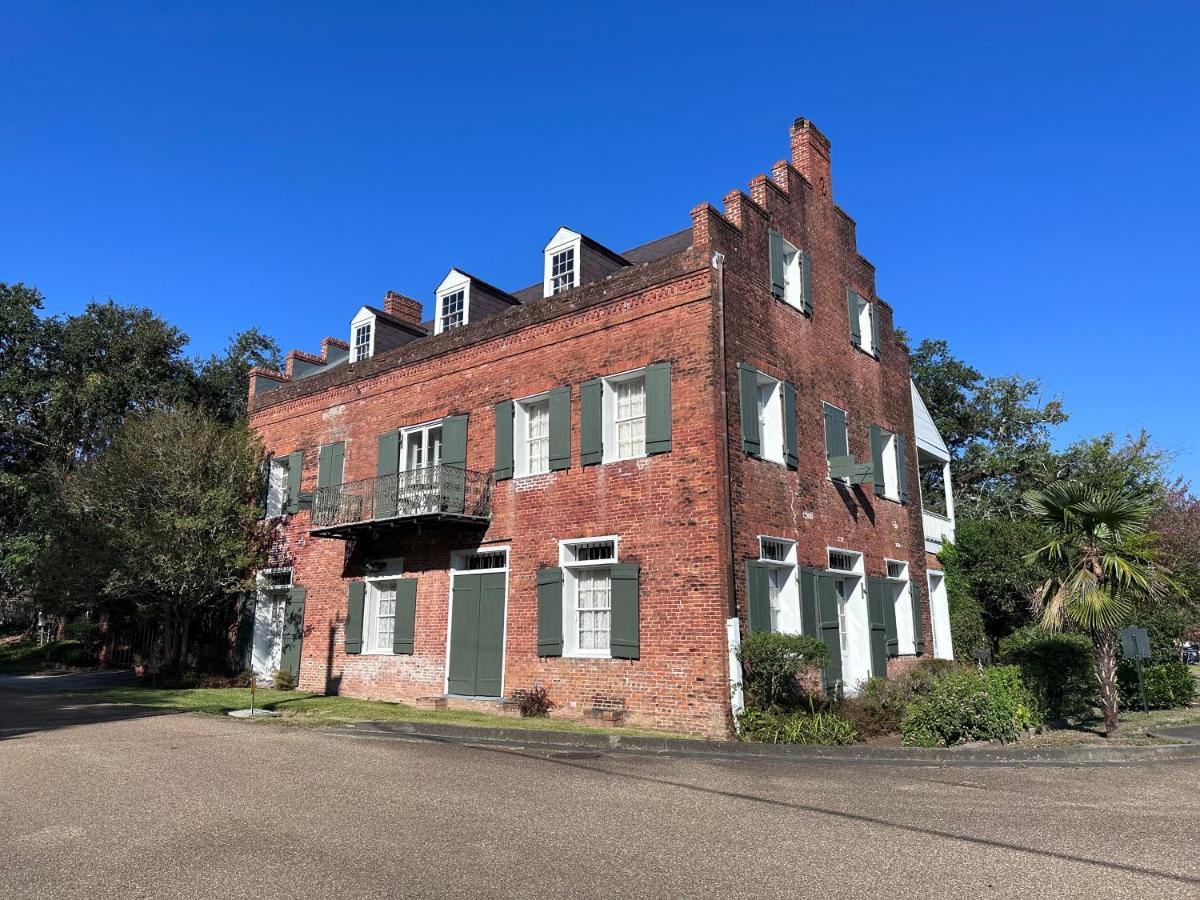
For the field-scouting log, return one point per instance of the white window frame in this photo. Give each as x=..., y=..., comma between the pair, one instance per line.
x=564, y=239
x=793, y=281
x=853, y=618
x=423, y=429
x=571, y=567
x=770, y=419
x=939, y=614
x=785, y=611
x=364, y=318
x=866, y=316
x=277, y=596
x=567, y=276
x=521, y=439
x=277, y=483
x=610, y=385
x=891, y=466
x=906, y=644
x=458, y=566
x=453, y=283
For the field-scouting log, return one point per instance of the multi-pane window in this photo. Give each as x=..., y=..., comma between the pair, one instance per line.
x=593, y=604
x=493, y=559
x=562, y=270
x=362, y=343
x=422, y=446
x=277, y=479
x=776, y=581
x=770, y=418
x=845, y=590
x=631, y=418
x=453, y=309
x=381, y=625
x=537, y=437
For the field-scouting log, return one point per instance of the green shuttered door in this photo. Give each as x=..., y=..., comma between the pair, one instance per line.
x=387, y=462
x=835, y=432
x=918, y=632
x=791, y=456
x=877, y=618
x=758, y=597
x=808, y=602
x=477, y=634
x=889, y=618
x=330, y=465
x=827, y=617
x=293, y=632
x=878, y=439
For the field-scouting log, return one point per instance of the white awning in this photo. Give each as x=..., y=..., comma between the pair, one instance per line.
x=928, y=438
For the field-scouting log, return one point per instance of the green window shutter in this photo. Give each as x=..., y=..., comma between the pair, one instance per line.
x=902, y=468
x=877, y=619
x=791, y=456
x=406, y=616
x=295, y=471
x=388, y=460
x=623, y=640
x=264, y=485
x=758, y=598
x=748, y=401
x=330, y=464
x=293, y=632
x=875, y=328
x=878, y=440
x=852, y=306
x=827, y=618
x=806, y=281
x=778, y=282
x=591, y=422
x=889, y=619
x=454, y=441
x=549, y=612
x=918, y=632
x=504, y=440
x=658, y=408
x=560, y=429
x=835, y=432
x=808, y=602
x=354, y=616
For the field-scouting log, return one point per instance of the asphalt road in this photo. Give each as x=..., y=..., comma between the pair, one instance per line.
x=108, y=801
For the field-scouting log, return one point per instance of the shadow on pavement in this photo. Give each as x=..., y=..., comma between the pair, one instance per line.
x=849, y=816
x=35, y=703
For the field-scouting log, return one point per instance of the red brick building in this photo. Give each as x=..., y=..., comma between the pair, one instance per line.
x=596, y=483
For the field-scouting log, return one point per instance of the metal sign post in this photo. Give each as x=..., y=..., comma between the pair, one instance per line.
x=1135, y=644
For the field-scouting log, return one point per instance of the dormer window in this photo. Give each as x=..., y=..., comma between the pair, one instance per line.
x=453, y=310
x=362, y=335
x=562, y=270
x=362, y=343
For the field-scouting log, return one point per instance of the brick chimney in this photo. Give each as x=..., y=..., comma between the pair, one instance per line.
x=404, y=308
x=810, y=155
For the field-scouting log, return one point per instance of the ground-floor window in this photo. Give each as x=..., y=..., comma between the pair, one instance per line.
x=901, y=599
x=587, y=595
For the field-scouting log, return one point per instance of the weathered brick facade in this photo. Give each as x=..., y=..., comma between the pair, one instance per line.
x=689, y=517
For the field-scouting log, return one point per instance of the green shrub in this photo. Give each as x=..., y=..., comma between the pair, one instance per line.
x=881, y=704
x=970, y=705
x=1057, y=669
x=796, y=728
x=283, y=680
x=70, y=653
x=773, y=663
x=534, y=702
x=1168, y=684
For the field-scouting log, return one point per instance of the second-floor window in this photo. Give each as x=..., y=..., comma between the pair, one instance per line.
x=562, y=271
x=362, y=343
x=453, y=311
x=537, y=437
x=422, y=446
x=628, y=405
x=277, y=486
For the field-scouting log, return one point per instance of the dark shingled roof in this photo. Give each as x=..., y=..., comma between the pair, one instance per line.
x=418, y=330
x=649, y=252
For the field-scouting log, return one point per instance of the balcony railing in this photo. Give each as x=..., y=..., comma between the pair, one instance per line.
x=431, y=493
x=938, y=530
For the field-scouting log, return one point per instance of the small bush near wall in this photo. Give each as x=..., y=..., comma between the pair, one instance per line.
x=796, y=728
x=535, y=702
x=1168, y=684
x=774, y=665
x=881, y=704
x=1057, y=668
x=968, y=705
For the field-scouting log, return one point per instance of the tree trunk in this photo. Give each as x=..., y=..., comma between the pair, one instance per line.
x=1104, y=646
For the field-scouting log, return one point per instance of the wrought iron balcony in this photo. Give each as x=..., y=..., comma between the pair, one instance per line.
x=434, y=493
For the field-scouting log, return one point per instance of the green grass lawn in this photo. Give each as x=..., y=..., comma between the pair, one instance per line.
x=300, y=708
x=1134, y=728
x=21, y=655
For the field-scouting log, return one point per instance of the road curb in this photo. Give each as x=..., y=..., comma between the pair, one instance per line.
x=563, y=741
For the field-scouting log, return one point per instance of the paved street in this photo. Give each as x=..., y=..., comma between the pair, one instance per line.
x=104, y=801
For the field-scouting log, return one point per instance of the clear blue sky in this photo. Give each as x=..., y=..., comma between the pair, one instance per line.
x=1025, y=181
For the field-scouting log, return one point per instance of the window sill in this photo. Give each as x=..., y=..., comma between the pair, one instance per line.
x=378, y=653
x=587, y=654
x=864, y=351
x=624, y=459
x=797, y=307
x=895, y=500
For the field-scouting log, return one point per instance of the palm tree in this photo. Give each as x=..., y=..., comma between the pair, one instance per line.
x=1098, y=553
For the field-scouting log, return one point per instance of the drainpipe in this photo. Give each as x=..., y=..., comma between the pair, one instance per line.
x=718, y=263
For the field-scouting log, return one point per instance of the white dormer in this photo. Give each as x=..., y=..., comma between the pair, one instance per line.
x=563, y=259
x=362, y=335
x=453, y=305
